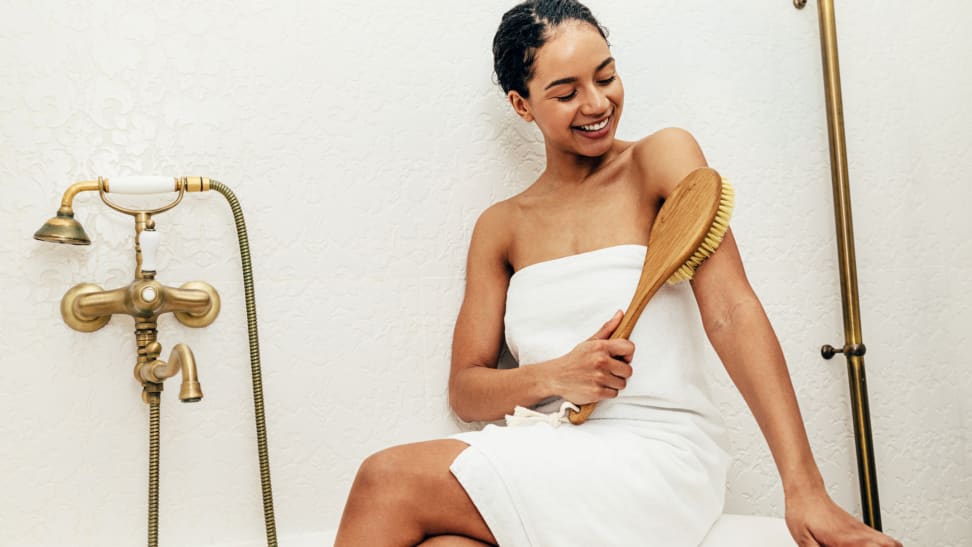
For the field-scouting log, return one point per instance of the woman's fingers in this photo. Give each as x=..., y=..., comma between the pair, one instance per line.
x=610, y=380
x=621, y=370
x=598, y=367
x=608, y=328
x=614, y=374
x=620, y=348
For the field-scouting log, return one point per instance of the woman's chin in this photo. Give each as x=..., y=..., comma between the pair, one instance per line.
x=595, y=149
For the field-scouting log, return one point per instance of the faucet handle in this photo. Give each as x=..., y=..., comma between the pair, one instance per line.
x=190, y=309
x=149, y=241
x=74, y=314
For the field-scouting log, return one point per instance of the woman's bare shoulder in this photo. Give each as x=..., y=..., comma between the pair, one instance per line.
x=499, y=216
x=668, y=139
x=666, y=156
x=493, y=233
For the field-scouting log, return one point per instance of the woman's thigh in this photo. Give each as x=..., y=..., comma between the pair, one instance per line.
x=438, y=501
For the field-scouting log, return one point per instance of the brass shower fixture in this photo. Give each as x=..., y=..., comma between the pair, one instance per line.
x=86, y=307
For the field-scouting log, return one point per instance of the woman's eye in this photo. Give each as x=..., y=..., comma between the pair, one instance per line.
x=606, y=81
x=565, y=98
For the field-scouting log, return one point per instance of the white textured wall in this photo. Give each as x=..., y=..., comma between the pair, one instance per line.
x=363, y=139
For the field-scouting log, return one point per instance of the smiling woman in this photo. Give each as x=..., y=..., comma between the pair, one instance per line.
x=579, y=96
x=545, y=269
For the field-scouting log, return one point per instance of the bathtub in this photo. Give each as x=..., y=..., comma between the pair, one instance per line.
x=728, y=531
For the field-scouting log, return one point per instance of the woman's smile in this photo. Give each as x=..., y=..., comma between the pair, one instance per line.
x=595, y=130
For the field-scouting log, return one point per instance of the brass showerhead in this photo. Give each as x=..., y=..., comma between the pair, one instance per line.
x=63, y=228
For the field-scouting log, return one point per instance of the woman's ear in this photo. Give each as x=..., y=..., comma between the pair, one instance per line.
x=520, y=105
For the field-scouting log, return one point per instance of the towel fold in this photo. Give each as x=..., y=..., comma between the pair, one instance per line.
x=525, y=416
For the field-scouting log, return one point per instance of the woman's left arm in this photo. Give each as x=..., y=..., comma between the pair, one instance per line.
x=742, y=336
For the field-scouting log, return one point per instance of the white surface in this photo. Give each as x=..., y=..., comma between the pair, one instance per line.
x=748, y=531
x=141, y=185
x=363, y=139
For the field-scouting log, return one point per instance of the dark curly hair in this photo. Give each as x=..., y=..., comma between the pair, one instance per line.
x=523, y=30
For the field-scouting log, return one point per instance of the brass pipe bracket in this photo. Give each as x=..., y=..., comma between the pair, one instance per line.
x=856, y=350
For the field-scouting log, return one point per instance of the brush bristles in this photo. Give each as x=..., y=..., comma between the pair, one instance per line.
x=712, y=239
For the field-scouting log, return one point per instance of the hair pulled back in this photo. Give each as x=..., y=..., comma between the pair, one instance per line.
x=523, y=30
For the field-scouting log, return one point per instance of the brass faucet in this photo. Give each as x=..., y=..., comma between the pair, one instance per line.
x=87, y=308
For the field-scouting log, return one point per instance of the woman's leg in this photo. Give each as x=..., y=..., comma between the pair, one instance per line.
x=404, y=494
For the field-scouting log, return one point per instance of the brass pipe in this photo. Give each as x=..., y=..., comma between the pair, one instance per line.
x=854, y=346
x=67, y=200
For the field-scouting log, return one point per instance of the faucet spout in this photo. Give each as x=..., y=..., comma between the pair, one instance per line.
x=181, y=359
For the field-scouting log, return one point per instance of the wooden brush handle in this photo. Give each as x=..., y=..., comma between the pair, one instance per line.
x=624, y=330
x=678, y=230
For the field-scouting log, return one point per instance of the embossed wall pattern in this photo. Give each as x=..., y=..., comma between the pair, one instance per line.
x=363, y=140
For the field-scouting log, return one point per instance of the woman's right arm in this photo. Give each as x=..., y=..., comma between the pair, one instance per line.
x=595, y=369
x=477, y=389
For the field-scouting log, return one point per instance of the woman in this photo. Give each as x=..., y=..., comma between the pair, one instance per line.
x=545, y=268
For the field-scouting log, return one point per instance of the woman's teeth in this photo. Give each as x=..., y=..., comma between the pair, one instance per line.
x=595, y=126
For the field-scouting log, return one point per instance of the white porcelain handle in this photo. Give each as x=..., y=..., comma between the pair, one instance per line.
x=149, y=241
x=141, y=185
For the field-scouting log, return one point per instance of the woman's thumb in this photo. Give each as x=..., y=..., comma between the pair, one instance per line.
x=607, y=328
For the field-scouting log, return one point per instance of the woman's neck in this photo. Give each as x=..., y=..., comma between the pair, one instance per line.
x=569, y=169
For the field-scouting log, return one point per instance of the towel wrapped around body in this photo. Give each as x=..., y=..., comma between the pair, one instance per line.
x=649, y=467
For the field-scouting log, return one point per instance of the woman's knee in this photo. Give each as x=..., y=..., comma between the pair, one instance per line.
x=385, y=470
x=405, y=475
x=409, y=462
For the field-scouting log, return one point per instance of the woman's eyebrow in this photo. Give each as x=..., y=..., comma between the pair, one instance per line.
x=572, y=79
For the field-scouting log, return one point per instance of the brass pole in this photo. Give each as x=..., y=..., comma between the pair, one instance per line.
x=853, y=348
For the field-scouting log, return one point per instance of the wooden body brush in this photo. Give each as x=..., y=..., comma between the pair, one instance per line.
x=689, y=227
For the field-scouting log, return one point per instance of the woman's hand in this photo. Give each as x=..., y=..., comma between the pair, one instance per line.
x=815, y=520
x=595, y=369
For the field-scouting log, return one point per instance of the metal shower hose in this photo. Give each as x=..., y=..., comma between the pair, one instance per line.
x=261, y=426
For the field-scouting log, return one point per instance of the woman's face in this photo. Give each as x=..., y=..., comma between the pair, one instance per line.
x=575, y=93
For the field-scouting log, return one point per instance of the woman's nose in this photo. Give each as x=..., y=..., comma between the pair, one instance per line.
x=596, y=102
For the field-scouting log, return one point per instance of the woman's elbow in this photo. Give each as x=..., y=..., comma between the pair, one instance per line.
x=725, y=318
x=457, y=402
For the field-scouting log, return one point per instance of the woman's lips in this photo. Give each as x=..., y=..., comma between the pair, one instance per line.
x=604, y=127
